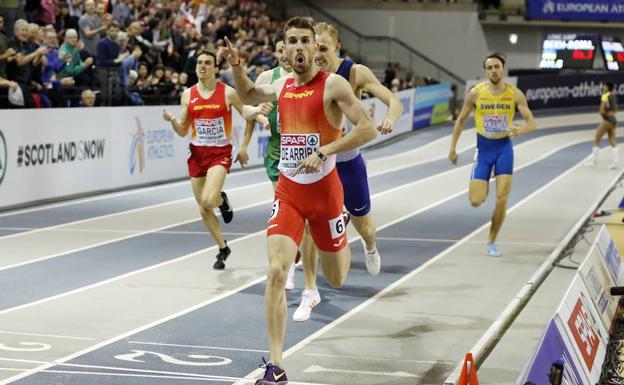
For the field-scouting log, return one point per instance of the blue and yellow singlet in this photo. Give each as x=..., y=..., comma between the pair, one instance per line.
x=494, y=113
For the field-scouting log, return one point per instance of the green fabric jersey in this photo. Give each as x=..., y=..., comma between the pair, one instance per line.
x=273, y=147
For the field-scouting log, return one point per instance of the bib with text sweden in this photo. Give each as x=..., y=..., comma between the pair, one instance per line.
x=494, y=113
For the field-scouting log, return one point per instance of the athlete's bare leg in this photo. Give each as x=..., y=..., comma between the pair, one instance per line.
x=478, y=191
x=336, y=266
x=309, y=257
x=282, y=251
x=611, y=134
x=366, y=228
x=503, y=187
x=603, y=129
x=207, y=191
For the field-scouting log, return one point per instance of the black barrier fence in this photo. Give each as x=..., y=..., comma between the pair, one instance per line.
x=573, y=90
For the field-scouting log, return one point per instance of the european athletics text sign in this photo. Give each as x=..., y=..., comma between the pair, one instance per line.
x=575, y=9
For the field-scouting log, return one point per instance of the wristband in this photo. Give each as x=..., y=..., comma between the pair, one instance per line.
x=321, y=155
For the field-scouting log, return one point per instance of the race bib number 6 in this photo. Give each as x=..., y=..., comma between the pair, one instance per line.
x=337, y=226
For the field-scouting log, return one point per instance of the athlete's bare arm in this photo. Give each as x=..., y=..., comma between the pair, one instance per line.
x=367, y=80
x=460, y=123
x=247, y=90
x=181, y=126
x=243, y=157
x=248, y=112
x=527, y=115
x=339, y=92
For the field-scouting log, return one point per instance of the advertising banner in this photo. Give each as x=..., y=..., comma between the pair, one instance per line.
x=583, y=327
x=53, y=153
x=548, y=91
x=610, y=255
x=554, y=346
x=597, y=10
x=431, y=105
x=598, y=282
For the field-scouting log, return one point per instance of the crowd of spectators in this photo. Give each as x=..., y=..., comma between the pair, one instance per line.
x=131, y=52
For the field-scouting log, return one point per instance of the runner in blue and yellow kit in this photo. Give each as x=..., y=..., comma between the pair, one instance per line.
x=495, y=103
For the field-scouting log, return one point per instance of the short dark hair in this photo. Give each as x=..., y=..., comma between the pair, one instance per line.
x=206, y=52
x=301, y=23
x=279, y=36
x=495, y=55
x=609, y=86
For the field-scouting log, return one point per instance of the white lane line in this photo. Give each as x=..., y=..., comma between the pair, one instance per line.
x=121, y=213
x=440, y=240
x=103, y=231
x=371, y=358
x=46, y=335
x=128, y=274
x=167, y=377
x=198, y=347
x=261, y=279
x=128, y=371
x=116, y=194
x=319, y=369
x=132, y=235
x=93, y=198
x=8, y=310
x=419, y=269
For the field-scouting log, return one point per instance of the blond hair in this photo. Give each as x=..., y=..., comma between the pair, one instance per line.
x=323, y=27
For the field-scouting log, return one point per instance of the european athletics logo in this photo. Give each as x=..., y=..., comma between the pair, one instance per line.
x=137, y=148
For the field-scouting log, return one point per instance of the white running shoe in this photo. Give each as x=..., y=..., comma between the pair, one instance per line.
x=309, y=299
x=590, y=163
x=614, y=166
x=290, y=279
x=373, y=260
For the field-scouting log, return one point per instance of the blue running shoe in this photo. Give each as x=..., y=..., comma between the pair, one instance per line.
x=492, y=250
x=273, y=375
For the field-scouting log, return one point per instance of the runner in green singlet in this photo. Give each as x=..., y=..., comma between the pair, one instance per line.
x=271, y=159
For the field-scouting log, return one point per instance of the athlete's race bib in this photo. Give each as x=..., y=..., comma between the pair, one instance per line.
x=495, y=125
x=211, y=132
x=294, y=148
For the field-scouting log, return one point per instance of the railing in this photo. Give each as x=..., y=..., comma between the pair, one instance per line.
x=377, y=51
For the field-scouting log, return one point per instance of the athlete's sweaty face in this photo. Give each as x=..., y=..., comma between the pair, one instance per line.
x=494, y=70
x=280, y=54
x=205, y=67
x=327, y=51
x=300, y=47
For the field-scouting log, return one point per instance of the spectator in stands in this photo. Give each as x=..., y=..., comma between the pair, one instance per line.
x=35, y=35
x=74, y=66
x=395, y=85
x=135, y=39
x=196, y=15
x=87, y=98
x=107, y=63
x=389, y=75
x=3, y=30
x=65, y=20
x=76, y=7
x=6, y=53
x=131, y=62
x=53, y=65
x=90, y=27
x=27, y=59
x=121, y=12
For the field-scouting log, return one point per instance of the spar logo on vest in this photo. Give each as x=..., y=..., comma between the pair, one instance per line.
x=3, y=157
